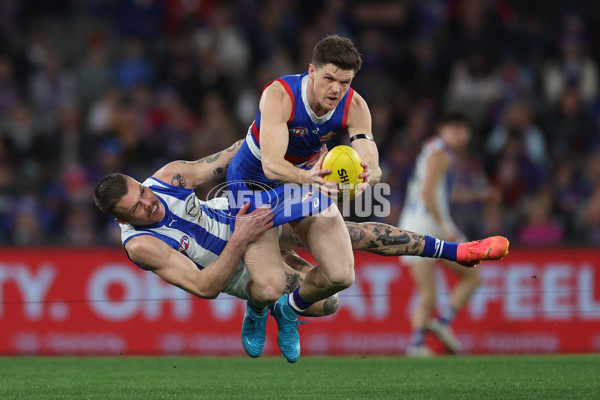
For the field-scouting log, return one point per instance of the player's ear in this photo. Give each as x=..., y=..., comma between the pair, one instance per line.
x=311, y=70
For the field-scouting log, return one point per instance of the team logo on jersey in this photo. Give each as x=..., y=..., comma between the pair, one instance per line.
x=306, y=196
x=184, y=244
x=327, y=136
x=298, y=131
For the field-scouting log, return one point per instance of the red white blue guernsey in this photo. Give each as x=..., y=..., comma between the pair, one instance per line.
x=197, y=229
x=307, y=133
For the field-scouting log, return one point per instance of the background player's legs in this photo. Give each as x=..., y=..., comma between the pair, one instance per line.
x=422, y=273
x=326, y=237
x=469, y=280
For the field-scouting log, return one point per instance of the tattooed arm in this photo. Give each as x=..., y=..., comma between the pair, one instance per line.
x=190, y=174
x=374, y=237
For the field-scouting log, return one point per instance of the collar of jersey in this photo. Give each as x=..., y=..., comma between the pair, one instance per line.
x=311, y=113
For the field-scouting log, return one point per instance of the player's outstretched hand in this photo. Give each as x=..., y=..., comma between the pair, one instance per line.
x=315, y=177
x=252, y=225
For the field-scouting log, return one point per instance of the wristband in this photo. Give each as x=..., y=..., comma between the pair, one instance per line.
x=361, y=136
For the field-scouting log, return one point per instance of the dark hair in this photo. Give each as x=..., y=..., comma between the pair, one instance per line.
x=454, y=118
x=109, y=191
x=338, y=51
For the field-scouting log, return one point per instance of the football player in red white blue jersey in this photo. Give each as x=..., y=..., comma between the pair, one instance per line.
x=297, y=115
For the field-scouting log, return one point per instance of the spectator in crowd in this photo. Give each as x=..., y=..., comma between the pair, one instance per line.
x=127, y=85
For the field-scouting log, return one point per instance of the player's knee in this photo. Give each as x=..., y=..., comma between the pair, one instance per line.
x=271, y=294
x=270, y=291
x=427, y=298
x=342, y=278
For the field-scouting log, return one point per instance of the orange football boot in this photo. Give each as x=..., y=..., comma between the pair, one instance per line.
x=493, y=248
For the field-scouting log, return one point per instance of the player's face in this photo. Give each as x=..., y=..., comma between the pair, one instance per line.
x=140, y=206
x=457, y=136
x=330, y=84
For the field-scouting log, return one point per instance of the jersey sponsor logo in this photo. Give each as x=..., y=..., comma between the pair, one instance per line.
x=184, y=244
x=327, y=136
x=191, y=206
x=306, y=196
x=298, y=131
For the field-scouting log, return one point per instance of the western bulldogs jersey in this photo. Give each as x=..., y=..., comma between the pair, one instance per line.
x=197, y=229
x=306, y=131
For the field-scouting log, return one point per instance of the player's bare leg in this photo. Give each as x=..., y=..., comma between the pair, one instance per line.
x=468, y=282
x=321, y=233
x=423, y=276
x=266, y=268
x=387, y=240
x=288, y=338
x=295, y=271
x=325, y=236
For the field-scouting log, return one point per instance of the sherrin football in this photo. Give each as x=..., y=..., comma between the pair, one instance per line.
x=344, y=163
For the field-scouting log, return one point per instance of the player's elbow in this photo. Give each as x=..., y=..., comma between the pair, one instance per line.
x=206, y=291
x=269, y=168
x=208, y=294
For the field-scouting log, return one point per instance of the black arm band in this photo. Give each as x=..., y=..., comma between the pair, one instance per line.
x=361, y=136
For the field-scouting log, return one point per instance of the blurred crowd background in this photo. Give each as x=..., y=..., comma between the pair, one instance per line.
x=92, y=87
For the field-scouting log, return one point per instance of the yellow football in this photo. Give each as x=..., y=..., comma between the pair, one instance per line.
x=344, y=163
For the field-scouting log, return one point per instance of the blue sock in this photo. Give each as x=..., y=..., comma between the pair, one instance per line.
x=254, y=307
x=418, y=338
x=297, y=303
x=436, y=248
x=447, y=315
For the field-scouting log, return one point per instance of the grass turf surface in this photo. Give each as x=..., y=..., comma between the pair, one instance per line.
x=507, y=377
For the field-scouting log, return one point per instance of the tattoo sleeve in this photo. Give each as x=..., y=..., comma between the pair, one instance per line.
x=357, y=233
x=384, y=239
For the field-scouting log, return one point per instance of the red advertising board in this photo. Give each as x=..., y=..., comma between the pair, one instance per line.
x=95, y=301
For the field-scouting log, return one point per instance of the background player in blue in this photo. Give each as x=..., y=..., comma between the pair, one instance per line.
x=297, y=114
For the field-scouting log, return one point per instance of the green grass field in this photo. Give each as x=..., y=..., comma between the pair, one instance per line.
x=508, y=377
